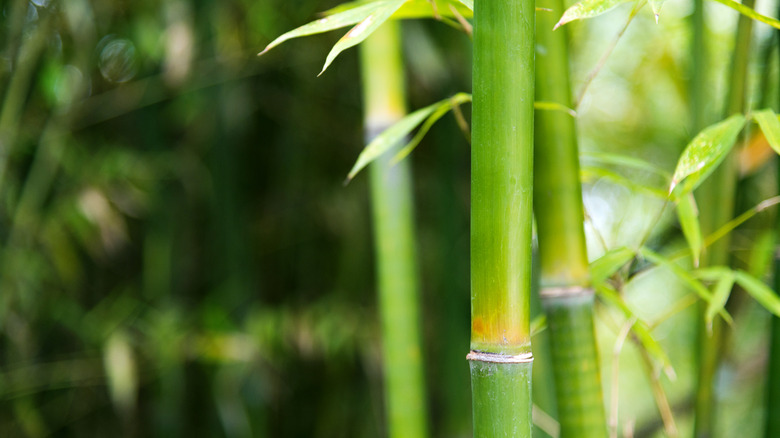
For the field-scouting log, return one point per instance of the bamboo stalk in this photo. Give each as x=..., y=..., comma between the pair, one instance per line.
x=501, y=217
x=391, y=202
x=566, y=292
x=716, y=196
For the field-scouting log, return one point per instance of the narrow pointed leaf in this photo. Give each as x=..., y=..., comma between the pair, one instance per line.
x=749, y=12
x=758, y=290
x=632, y=163
x=396, y=133
x=685, y=276
x=591, y=173
x=587, y=9
x=363, y=29
x=609, y=263
x=688, y=215
x=656, y=6
x=712, y=273
x=719, y=296
x=469, y=3
x=346, y=18
x=640, y=328
x=444, y=108
x=416, y=9
x=554, y=106
x=770, y=126
x=703, y=155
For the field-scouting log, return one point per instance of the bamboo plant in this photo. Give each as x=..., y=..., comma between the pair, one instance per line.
x=392, y=211
x=566, y=291
x=501, y=201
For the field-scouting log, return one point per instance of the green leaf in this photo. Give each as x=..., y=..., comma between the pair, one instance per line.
x=761, y=292
x=469, y=4
x=704, y=154
x=685, y=276
x=363, y=29
x=609, y=263
x=748, y=12
x=640, y=328
x=770, y=126
x=656, y=6
x=554, y=106
x=589, y=173
x=416, y=9
x=688, y=215
x=587, y=9
x=626, y=161
x=346, y=18
x=712, y=273
x=719, y=296
x=396, y=133
x=444, y=108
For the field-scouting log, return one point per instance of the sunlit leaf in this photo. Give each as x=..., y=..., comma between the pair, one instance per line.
x=760, y=291
x=443, y=109
x=683, y=275
x=553, y=106
x=748, y=12
x=346, y=18
x=609, y=263
x=770, y=126
x=590, y=173
x=720, y=295
x=688, y=215
x=627, y=162
x=363, y=29
x=587, y=9
x=396, y=133
x=416, y=9
x=655, y=5
x=469, y=3
x=704, y=154
x=640, y=328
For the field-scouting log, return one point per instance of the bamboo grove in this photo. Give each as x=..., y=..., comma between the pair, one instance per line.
x=560, y=219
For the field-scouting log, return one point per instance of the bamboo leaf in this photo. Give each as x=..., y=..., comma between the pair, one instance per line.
x=443, y=109
x=770, y=126
x=553, y=106
x=749, y=12
x=346, y=18
x=587, y=9
x=656, y=6
x=589, y=173
x=688, y=215
x=626, y=161
x=719, y=296
x=416, y=9
x=640, y=328
x=758, y=290
x=469, y=4
x=609, y=263
x=685, y=276
x=712, y=273
x=396, y=133
x=363, y=29
x=703, y=155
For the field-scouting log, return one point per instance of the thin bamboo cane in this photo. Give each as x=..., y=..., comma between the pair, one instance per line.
x=501, y=217
x=566, y=292
x=391, y=201
x=716, y=200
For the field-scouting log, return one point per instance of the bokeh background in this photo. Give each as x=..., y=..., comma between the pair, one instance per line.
x=179, y=255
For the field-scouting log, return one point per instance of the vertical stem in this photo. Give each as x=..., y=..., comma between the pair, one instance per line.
x=773, y=368
x=391, y=201
x=501, y=216
x=698, y=82
x=566, y=291
x=716, y=196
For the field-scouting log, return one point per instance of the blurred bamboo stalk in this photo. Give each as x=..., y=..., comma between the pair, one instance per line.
x=501, y=217
x=566, y=291
x=716, y=200
x=394, y=239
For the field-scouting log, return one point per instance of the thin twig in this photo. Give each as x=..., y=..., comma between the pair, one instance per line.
x=661, y=400
x=462, y=123
x=593, y=73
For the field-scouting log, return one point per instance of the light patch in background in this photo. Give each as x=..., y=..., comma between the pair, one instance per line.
x=117, y=59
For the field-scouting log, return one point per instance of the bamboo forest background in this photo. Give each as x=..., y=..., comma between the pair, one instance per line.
x=179, y=255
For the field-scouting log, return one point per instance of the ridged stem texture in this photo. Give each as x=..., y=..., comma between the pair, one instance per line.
x=501, y=215
x=391, y=202
x=715, y=198
x=566, y=295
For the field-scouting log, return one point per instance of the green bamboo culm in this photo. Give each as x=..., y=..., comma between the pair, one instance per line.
x=773, y=368
x=501, y=217
x=391, y=202
x=566, y=291
x=717, y=193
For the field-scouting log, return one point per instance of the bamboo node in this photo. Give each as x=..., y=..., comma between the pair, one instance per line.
x=565, y=291
x=481, y=356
